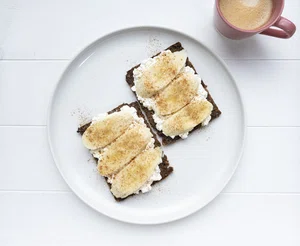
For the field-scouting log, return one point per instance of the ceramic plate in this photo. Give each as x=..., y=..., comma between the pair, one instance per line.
x=94, y=82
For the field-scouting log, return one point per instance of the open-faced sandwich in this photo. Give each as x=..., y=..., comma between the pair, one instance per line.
x=126, y=150
x=172, y=95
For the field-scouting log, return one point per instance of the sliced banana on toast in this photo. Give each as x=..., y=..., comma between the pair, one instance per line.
x=178, y=93
x=156, y=73
x=124, y=149
x=187, y=118
x=103, y=132
x=132, y=177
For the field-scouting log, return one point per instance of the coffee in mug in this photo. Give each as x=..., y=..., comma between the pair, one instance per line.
x=247, y=14
x=239, y=19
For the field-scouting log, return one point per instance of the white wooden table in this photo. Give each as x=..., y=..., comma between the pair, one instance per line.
x=260, y=206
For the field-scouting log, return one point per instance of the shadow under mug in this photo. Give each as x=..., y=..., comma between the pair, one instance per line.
x=277, y=26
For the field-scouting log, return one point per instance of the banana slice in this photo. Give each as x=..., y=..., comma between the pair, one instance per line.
x=132, y=177
x=187, y=118
x=124, y=149
x=102, y=133
x=156, y=73
x=178, y=93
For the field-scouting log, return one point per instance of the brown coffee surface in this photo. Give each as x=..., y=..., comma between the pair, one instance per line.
x=247, y=14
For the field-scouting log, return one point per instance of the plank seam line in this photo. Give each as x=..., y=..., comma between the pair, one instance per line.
x=33, y=60
x=222, y=193
x=247, y=126
x=226, y=59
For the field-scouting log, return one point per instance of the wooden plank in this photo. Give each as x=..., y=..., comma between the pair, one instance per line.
x=269, y=90
x=59, y=29
x=26, y=161
x=270, y=162
x=61, y=219
x=26, y=88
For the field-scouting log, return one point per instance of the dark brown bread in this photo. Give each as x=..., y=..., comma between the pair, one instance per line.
x=149, y=113
x=165, y=168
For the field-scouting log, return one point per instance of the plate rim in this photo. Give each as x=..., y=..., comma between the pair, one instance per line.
x=178, y=216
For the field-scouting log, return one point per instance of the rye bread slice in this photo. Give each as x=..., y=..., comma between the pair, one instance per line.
x=165, y=168
x=149, y=113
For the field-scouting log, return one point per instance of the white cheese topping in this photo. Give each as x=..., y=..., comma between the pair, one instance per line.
x=147, y=102
x=206, y=121
x=185, y=135
x=150, y=145
x=145, y=65
x=110, y=179
x=159, y=120
x=154, y=177
x=133, y=112
x=98, y=153
x=99, y=117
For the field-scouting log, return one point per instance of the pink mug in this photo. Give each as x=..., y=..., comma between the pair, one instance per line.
x=277, y=26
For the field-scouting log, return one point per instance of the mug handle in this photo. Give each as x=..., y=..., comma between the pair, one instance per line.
x=284, y=29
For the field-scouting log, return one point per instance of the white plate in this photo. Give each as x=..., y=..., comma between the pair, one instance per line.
x=94, y=82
